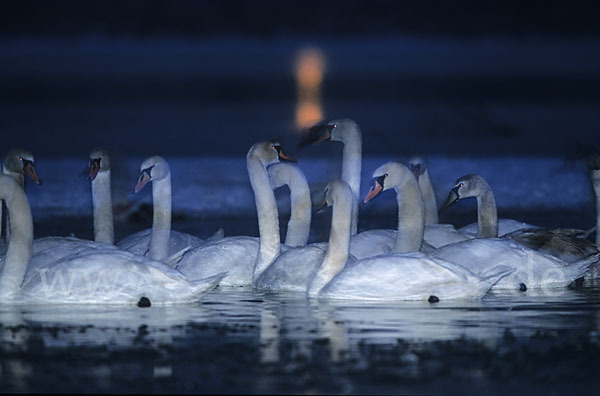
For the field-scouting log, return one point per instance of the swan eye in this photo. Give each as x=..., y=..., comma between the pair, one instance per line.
x=385, y=175
x=460, y=185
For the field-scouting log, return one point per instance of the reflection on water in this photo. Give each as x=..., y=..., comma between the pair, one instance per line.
x=241, y=340
x=310, y=65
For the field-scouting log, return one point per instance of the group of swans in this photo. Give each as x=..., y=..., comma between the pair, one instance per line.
x=101, y=274
x=420, y=260
x=555, y=257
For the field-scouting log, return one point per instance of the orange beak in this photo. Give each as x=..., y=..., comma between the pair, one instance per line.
x=142, y=181
x=374, y=191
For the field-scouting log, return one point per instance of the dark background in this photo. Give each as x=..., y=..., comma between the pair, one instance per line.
x=212, y=77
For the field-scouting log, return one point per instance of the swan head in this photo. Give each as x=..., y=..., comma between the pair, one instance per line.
x=21, y=161
x=417, y=166
x=335, y=191
x=338, y=130
x=471, y=185
x=99, y=162
x=268, y=153
x=391, y=175
x=152, y=169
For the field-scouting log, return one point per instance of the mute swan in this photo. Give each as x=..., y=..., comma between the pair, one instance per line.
x=436, y=234
x=535, y=267
x=396, y=276
x=487, y=217
x=108, y=276
x=568, y=245
x=244, y=258
x=160, y=241
x=291, y=271
x=418, y=166
x=17, y=163
x=99, y=175
x=367, y=243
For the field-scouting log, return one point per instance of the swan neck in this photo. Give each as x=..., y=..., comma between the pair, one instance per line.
x=268, y=217
x=411, y=218
x=20, y=244
x=161, y=218
x=431, y=209
x=595, y=176
x=103, y=213
x=487, y=215
x=338, y=248
x=300, y=217
x=351, y=168
x=16, y=176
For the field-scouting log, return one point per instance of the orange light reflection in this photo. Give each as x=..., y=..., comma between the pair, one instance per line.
x=310, y=66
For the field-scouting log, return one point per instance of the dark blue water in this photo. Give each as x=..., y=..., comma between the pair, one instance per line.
x=240, y=341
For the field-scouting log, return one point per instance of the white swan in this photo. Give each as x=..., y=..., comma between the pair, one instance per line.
x=370, y=242
x=396, y=276
x=244, y=258
x=109, y=276
x=158, y=242
x=17, y=163
x=99, y=175
x=537, y=267
x=291, y=271
x=436, y=234
x=418, y=166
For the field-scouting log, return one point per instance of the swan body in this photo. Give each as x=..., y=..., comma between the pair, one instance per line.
x=532, y=268
x=564, y=244
x=505, y=226
x=102, y=274
x=244, y=258
x=408, y=276
x=160, y=241
x=534, y=253
x=396, y=276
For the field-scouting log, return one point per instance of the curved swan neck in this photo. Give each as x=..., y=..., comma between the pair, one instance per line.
x=431, y=209
x=16, y=176
x=351, y=168
x=595, y=176
x=266, y=210
x=161, y=218
x=298, y=226
x=337, y=252
x=103, y=213
x=20, y=179
x=21, y=242
x=411, y=217
x=487, y=214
